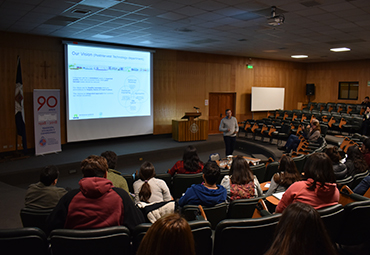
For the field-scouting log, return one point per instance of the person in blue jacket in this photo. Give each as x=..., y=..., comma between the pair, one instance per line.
x=208, y=193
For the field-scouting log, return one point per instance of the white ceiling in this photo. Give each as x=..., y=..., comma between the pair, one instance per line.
x=231, y=27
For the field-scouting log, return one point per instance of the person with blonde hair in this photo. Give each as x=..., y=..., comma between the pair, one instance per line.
x=301, y=231
x=169, y=235
x=312, y=132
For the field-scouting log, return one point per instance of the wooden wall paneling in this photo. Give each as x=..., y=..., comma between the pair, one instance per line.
x=244, y=79
x=164, y=91
x=190, y=88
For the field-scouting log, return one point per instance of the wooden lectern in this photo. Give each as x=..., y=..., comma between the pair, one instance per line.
x=189, y=128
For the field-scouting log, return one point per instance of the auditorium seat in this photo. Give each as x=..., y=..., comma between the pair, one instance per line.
x=245, y=236
x=29, y=241
x=356, y=223
x=201, y=230
x=181, y=182
x=35, y=217
x=130, y=182
x=242, y=208
x=332, y=217
x=259, y=171
x=107, y=241
x=166, y=177
x=214, y=214
x=357, y=178
x=271, y=169
x=299, y=162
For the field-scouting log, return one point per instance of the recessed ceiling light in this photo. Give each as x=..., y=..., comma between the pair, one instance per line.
x=340, y=49
x=299, y=56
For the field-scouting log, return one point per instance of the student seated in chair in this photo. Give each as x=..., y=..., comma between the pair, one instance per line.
x=208, y=193
x=96, y=204
x=311, y=133
x=45, y=194
x=301, y=231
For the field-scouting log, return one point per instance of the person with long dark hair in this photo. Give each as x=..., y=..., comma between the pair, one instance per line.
x=355, y=161
x=190, y=163
x=319, y=188
x=287, y=175
x=340, y=169
x=169, y=235
x=149, y=189
x=301, y=231
x=241, y=183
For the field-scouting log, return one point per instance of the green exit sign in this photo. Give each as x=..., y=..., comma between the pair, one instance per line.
x=250, y=66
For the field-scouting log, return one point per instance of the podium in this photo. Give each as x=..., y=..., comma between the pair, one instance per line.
x=189, y=128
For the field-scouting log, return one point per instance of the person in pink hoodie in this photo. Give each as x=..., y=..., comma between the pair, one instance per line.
x=319, y=188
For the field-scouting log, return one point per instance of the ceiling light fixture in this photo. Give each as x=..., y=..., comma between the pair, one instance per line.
x=299, y=56
x=340, y=49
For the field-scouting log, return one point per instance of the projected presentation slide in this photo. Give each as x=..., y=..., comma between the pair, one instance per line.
x=107, y=82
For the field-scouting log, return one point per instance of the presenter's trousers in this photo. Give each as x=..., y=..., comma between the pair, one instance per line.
x=230, y=144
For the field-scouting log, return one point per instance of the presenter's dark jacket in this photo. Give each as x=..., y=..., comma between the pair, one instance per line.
x=96, y=204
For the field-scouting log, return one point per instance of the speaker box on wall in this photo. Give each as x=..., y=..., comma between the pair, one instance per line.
x=310, y=89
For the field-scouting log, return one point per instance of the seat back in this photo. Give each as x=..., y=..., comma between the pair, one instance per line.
x=242, y=208
x=332, y=216
x=214, y=214
x=324, y=130
x=222, y=175
x=30, y=241
x=245, y=236
x=166, y=177
x=299, y=162
x=357, y=178
x=181, y=182
x=271, y=169
x=259, y=171
x=201, y=230
x=35, y=217
x=356, y=223
x=109, y=240
x=130, y=181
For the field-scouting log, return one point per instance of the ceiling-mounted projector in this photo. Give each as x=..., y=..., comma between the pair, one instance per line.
x=275, y=19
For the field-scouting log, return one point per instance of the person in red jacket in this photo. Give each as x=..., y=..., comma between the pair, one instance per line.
x=96, y=204
x=190, y=163
x=318, y=190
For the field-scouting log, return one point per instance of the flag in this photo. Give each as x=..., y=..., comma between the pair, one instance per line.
x=19, y=108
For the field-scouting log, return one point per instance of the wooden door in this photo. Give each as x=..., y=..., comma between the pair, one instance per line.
x=218, y=103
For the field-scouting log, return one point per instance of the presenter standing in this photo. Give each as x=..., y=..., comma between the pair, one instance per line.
x=229, y=126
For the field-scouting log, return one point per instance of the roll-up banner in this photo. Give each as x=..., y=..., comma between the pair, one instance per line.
x=46, y=112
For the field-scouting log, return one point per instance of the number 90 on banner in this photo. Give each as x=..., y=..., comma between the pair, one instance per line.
x=51, y=101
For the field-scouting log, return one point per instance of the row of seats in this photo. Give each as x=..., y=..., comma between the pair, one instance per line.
x=347, y=224
x=336, y=107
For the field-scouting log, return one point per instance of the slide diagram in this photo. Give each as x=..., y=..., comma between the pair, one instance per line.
x=131, y=96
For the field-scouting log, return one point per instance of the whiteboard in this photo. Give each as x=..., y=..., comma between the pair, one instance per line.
x=267, y=99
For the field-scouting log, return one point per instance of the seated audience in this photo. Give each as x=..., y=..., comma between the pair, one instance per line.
x=207, y=193
x=363, y=186
x=319, y=189
x=96, y=204
x=301, y=231
x=355, y=161
x=114, y=176
x=190, y=163
x=45, y=194
x=241, y=183
x=167, y=236
x=287, y=175
x=365, y=149
x=149, y=189
x=311, y=133
x=340, y=169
